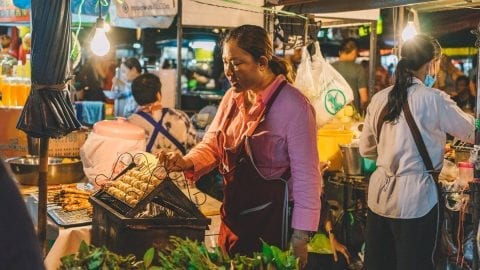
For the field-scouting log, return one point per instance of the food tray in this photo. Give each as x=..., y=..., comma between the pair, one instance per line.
x=68, y=218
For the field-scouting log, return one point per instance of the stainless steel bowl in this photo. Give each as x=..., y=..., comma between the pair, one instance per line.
x=60, y=170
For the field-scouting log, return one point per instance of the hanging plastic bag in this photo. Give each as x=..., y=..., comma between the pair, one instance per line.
x=324, y=87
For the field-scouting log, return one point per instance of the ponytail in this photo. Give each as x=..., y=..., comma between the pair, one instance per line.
x=280, y=66
x=399, y=94
x=415, y=53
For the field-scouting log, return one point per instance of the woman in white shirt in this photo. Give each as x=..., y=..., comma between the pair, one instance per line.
x=125, y=104
x=402, y=196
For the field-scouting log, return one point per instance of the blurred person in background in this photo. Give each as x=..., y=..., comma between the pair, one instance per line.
x=6, y=41
x=167, y=129
x=472, y=75
x=7, y=59
x=25, y=48
x=95, y=76
x=447, y=76
x=125, y=104
x=353, y=73
x=462, y=96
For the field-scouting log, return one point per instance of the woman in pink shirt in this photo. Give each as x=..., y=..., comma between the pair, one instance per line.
x=263, y=139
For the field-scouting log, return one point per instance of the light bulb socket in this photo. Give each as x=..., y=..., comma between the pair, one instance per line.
x=411, y=16
x=99, y=23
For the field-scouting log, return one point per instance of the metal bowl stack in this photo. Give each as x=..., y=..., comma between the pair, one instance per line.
x=60, y=170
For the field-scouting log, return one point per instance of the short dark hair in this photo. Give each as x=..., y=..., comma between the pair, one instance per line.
x=348, y=45
x=145, y=88
x=133, y=63
x=462, y=78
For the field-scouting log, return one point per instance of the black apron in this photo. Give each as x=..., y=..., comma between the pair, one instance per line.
x=254, y=208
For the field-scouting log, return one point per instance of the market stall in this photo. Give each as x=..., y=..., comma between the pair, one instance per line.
x=115, y=210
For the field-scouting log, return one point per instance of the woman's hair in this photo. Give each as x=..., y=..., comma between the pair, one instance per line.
x=414, y=54
x=254, y=40
x=145, y=88
x=133, y=63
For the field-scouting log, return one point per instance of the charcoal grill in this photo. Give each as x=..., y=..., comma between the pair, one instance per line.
x=115, y=224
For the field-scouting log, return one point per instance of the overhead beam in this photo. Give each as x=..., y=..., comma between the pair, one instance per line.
x=325, y=6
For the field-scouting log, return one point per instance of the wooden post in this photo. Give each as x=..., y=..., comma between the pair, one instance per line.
x=42, y=195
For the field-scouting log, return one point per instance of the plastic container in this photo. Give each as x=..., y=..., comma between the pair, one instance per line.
x=328, y=141
x=119, y=128
x=368, y=166
x=465, y=173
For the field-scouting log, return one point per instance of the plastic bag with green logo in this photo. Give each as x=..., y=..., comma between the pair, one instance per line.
x=326, y=89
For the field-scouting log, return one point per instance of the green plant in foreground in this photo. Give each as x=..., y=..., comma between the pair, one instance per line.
x=90, y=257
x=184, y=254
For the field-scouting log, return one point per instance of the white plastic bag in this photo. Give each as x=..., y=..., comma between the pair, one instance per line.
x=324, y=87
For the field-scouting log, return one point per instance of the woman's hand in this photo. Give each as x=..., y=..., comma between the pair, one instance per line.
x=336, y=246
x=324, y=166
x=174, y=161
x=300, y=241
x=341, y=248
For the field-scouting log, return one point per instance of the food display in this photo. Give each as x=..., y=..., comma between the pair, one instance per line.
x=68, y=204
x=134, y=185
x=69, y=197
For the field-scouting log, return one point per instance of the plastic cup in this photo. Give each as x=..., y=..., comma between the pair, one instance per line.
x=465, y=173
x=15, y=93
x=6, y=93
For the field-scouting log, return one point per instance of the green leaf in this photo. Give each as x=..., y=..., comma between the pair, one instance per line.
x=83, y=250
x=95, y=264
x=279, y=257
x=267, y=253
x=155, y=268
x=148, y=257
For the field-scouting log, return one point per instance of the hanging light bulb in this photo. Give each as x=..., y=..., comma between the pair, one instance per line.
x=99, y=44
x=410, y=30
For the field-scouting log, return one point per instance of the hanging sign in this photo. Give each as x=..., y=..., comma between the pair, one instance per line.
x=139, y=22
x=10, y=13
x=145, y=8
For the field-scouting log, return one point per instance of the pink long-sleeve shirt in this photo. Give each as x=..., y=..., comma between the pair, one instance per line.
x=286, y=138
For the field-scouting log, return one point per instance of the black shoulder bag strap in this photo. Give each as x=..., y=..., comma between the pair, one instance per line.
x=419, y=141
x=440, y=245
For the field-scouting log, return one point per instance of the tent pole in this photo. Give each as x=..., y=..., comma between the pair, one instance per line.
x=475, y=185
x=373, y=58
x=178, y=99
x=42, y=195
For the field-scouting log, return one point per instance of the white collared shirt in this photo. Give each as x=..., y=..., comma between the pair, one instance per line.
x=401, y=187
